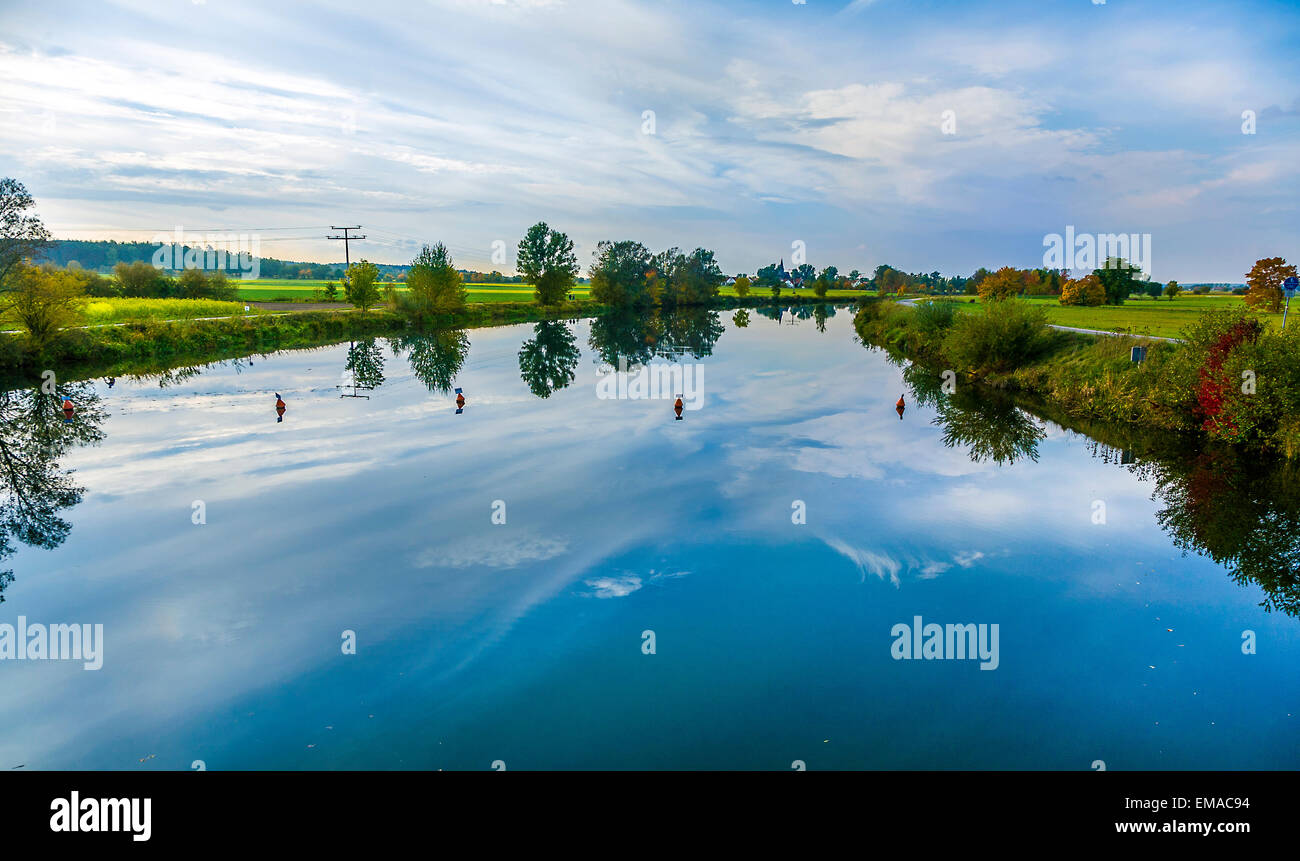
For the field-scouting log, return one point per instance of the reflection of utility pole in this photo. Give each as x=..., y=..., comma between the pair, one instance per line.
x=355, y=388
x=346, y=256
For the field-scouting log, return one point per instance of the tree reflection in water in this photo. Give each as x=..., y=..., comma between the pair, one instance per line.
x=33, y=436
x=435, y=357
x=990, y=425
x=1240, y=509
x=365, y=362
x=548, y=360
x=638, y=338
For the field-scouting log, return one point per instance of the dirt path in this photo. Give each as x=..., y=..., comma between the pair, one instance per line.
x=300, y=306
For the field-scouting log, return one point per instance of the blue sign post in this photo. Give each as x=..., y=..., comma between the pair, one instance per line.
x=1288, y=287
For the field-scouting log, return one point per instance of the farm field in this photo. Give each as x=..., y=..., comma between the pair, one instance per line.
x=1158, y=317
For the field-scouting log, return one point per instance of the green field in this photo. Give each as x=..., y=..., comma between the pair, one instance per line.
x=1158, y=317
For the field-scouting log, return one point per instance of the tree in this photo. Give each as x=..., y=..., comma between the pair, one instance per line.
x=1264, y=283
x=141, y=280
x=821, y=285
x=546, y=258
x=1118, y=278
x=805, y=272
x=695, y=278
x=831, y=273
x=742, y=285
x=1172, y=289
x=331, y=291
x=359, y=284
x=192, y=284
x=1083, y=291
x=618, y=275
x=42, y=300
x=768, y=277
x=433, y=285
x=1004, y=284
x=22, y=237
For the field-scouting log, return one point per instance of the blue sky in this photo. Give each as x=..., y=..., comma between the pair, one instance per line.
x=465, y=121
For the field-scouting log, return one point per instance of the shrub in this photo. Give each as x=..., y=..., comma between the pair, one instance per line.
x=1003, y=337
x=931, y=318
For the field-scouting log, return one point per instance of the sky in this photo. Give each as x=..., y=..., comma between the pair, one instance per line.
x=773, y=126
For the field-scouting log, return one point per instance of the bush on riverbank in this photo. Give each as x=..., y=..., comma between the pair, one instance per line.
x=1233, y=380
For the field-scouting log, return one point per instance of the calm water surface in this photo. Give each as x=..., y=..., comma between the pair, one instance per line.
x=523, y=641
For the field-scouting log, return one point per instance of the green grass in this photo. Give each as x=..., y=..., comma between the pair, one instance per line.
x=1158, y=317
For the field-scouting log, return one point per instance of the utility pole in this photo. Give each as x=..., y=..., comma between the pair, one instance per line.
x=346, y=256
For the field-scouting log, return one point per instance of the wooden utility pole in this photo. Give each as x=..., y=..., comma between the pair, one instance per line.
x=346, y=256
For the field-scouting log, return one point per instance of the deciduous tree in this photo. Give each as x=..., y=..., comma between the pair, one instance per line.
x=1264, y=283
x=546, y=259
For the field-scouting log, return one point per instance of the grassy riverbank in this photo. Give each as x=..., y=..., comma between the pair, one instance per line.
x=1137, y=316
x=148, y=346
x=1235, y=380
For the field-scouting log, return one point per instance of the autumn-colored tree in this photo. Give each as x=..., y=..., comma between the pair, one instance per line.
x=1083, y=291
x=1264, y=283
x=742, y=285
x=1004, y=284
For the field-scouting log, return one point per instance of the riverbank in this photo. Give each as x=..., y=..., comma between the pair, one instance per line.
x=153, y=346
x=1232, y=380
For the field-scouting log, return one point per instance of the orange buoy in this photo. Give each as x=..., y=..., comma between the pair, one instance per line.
x=900, y=403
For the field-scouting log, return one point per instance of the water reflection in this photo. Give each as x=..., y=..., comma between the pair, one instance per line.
x=365, y=364
x=1240, y=510
x=36, y=429
x=435, y=357
x=821, y=313
x=548, y=360
x=986, y=423
x=637, y=338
